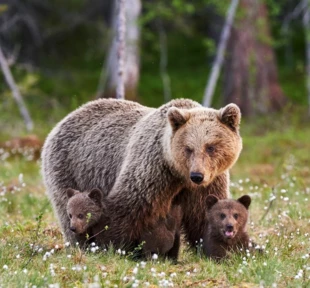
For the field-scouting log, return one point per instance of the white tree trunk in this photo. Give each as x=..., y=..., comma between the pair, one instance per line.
x=132, y=56
x=121, y=50
x=132, y=74
x=15, y=91
x=220, y=54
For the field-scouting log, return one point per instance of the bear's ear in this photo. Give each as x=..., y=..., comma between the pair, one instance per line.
x=231, y=116
x=177, y=117
x=96, y=195
x=211, y=201
x=245, y=200
x=71, y=192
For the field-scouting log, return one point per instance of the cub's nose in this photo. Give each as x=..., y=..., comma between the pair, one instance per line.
x=196, y=177
x=73, y=229
x=229, y=227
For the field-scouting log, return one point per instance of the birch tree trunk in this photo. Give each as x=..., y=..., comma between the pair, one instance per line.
x=251, y=77
x=121, y=50
x=217, y=65
x=15, y=91
x=132, y=57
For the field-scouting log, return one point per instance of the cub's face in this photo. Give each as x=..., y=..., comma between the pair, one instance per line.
x=204, y=142
x=228, y=217
x=83, y=209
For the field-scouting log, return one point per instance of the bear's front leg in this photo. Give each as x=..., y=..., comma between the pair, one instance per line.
x=195, y=208
x=173, y=253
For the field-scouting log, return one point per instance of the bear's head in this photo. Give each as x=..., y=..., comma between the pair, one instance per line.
x=203, y=142
x=227, y=218
x=84, y=209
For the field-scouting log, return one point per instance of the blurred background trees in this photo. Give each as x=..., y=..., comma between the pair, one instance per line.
x=251, y=73
x=62, y=53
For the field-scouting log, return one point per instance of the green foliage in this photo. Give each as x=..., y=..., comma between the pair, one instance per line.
x=210, y=46
x=274, y=163
x=68, y=76
x=88, y=217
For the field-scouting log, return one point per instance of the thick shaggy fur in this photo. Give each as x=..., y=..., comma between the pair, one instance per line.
x=89, y=215
x=164, y=238
x=143, y=157
x=226, y=228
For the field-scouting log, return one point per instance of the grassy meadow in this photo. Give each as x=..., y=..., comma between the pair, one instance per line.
x=274, y=169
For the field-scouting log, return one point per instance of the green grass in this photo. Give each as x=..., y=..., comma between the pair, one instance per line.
x=274, y=164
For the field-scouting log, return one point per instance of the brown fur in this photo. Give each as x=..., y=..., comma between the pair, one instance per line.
x=143, y=157
x=89, y=214
x=226, y=228
x=164, y=238
x=86, y=212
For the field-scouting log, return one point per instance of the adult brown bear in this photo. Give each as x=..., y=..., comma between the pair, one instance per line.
x=144, y=157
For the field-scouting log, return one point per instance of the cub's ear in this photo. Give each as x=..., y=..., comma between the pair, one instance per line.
x=96, y=195
x=231, y=116
x=211, y=201
x=245, y=200
x=177, y=117
x=71, y=192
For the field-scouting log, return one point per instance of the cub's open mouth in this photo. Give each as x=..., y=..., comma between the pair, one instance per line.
x=229, y=234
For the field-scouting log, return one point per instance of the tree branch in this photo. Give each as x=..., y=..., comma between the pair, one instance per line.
x=208, y=94
x=15, y=91
x=291, y=16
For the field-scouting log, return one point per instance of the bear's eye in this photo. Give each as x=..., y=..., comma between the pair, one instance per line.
x=70, y=216
x=80, y=216
x=210, y=149
x=236, y=216
x=223, y=216
x=188, y=150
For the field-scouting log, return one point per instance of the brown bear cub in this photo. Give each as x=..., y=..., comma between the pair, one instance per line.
x=226, y=228
x=88, y=214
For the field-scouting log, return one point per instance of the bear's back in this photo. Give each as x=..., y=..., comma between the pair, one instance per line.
x=97, y=130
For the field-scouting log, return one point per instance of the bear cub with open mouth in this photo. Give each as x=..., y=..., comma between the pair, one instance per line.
x=226, y=228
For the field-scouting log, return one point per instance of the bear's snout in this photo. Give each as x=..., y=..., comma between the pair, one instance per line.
x=72, y=228
x=196, y=177
x=229, y=227
x=229, y=231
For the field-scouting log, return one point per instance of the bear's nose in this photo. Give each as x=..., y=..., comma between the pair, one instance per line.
x=196, y=177
x=72, y=228
x=229, y=227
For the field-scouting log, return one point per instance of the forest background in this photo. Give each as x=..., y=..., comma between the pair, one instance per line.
x=62, y=54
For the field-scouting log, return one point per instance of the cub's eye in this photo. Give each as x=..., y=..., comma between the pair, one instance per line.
x=236, y=216
x=70, y=216
x=80, y=216
x=223, y=216
x=210, y=149
x=188, y=150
